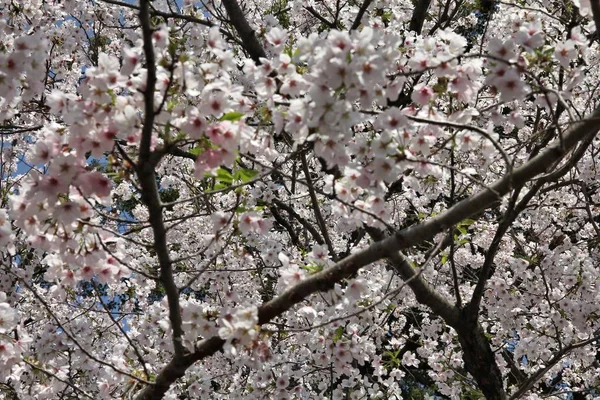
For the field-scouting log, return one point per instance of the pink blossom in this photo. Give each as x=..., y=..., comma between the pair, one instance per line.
x=422, y=95
x=208, y=161
x=94, y=183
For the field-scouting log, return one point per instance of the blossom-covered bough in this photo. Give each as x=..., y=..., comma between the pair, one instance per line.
x=291, y=199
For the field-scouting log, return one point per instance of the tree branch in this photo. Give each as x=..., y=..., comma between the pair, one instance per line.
x=123, y=331
x=510, y=215
x=418, y=17
x=318, y=16
x=361, y=11
x=288, y=227
x=13, y=130
x=158, y=13
x=424, y=293
x=316, y=208
x=595, y=5
x=150, y=196
x=173, y=15
x=54, y=376
x=311, y=229
x=531, y=381
x=243, y=28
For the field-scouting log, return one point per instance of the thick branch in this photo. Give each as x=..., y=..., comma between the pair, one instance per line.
x=419, y=14
x=595, y=5
x=243, y=28
x=486, y=197
x=480, y=361
x=424, y=293
x=150, y=82
x=322, y=281
x=477, y=354
x=363, y=9
x=510, y=215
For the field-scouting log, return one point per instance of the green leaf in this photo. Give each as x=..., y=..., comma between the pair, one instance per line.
x=444, y=258
x=312, y=268
x=466, y=222
x=224, y=176
x=245, y=174
x=196, y=150
x=232, y=116
x=338, y=334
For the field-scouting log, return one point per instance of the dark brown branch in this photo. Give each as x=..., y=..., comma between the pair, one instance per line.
x=12, y=130
x=517, y=375
x=147, y=178
x=451, y=234
x=150, y=82
x=361, y=12
x=424, y=293
x=477, y=354
x=318, y=16
x=595, y=5
x=311, y=229
x=444, y=15
x=243, y=28
x=418, y=16
x=178, y=152
x=480, y=360
x=316, y=208
x=175, y=16
x=319, y=282
x=288, y=227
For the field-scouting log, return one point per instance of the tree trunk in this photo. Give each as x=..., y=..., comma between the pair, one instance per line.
x=480, y=361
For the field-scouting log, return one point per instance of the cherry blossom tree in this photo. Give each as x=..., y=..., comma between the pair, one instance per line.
x=360, y=199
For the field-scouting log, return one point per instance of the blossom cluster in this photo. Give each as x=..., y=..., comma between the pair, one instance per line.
x=170, y=177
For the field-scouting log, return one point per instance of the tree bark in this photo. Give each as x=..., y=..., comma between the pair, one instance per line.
x=480, y=361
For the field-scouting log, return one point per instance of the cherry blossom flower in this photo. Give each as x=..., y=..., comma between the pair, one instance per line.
x=356, y=289
x=422, y=95
x=410, y=360
x=94, y=183
x=194, y=124
x=565, y=52
x=8, y=316
x=530, y=36
x=277, y=38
